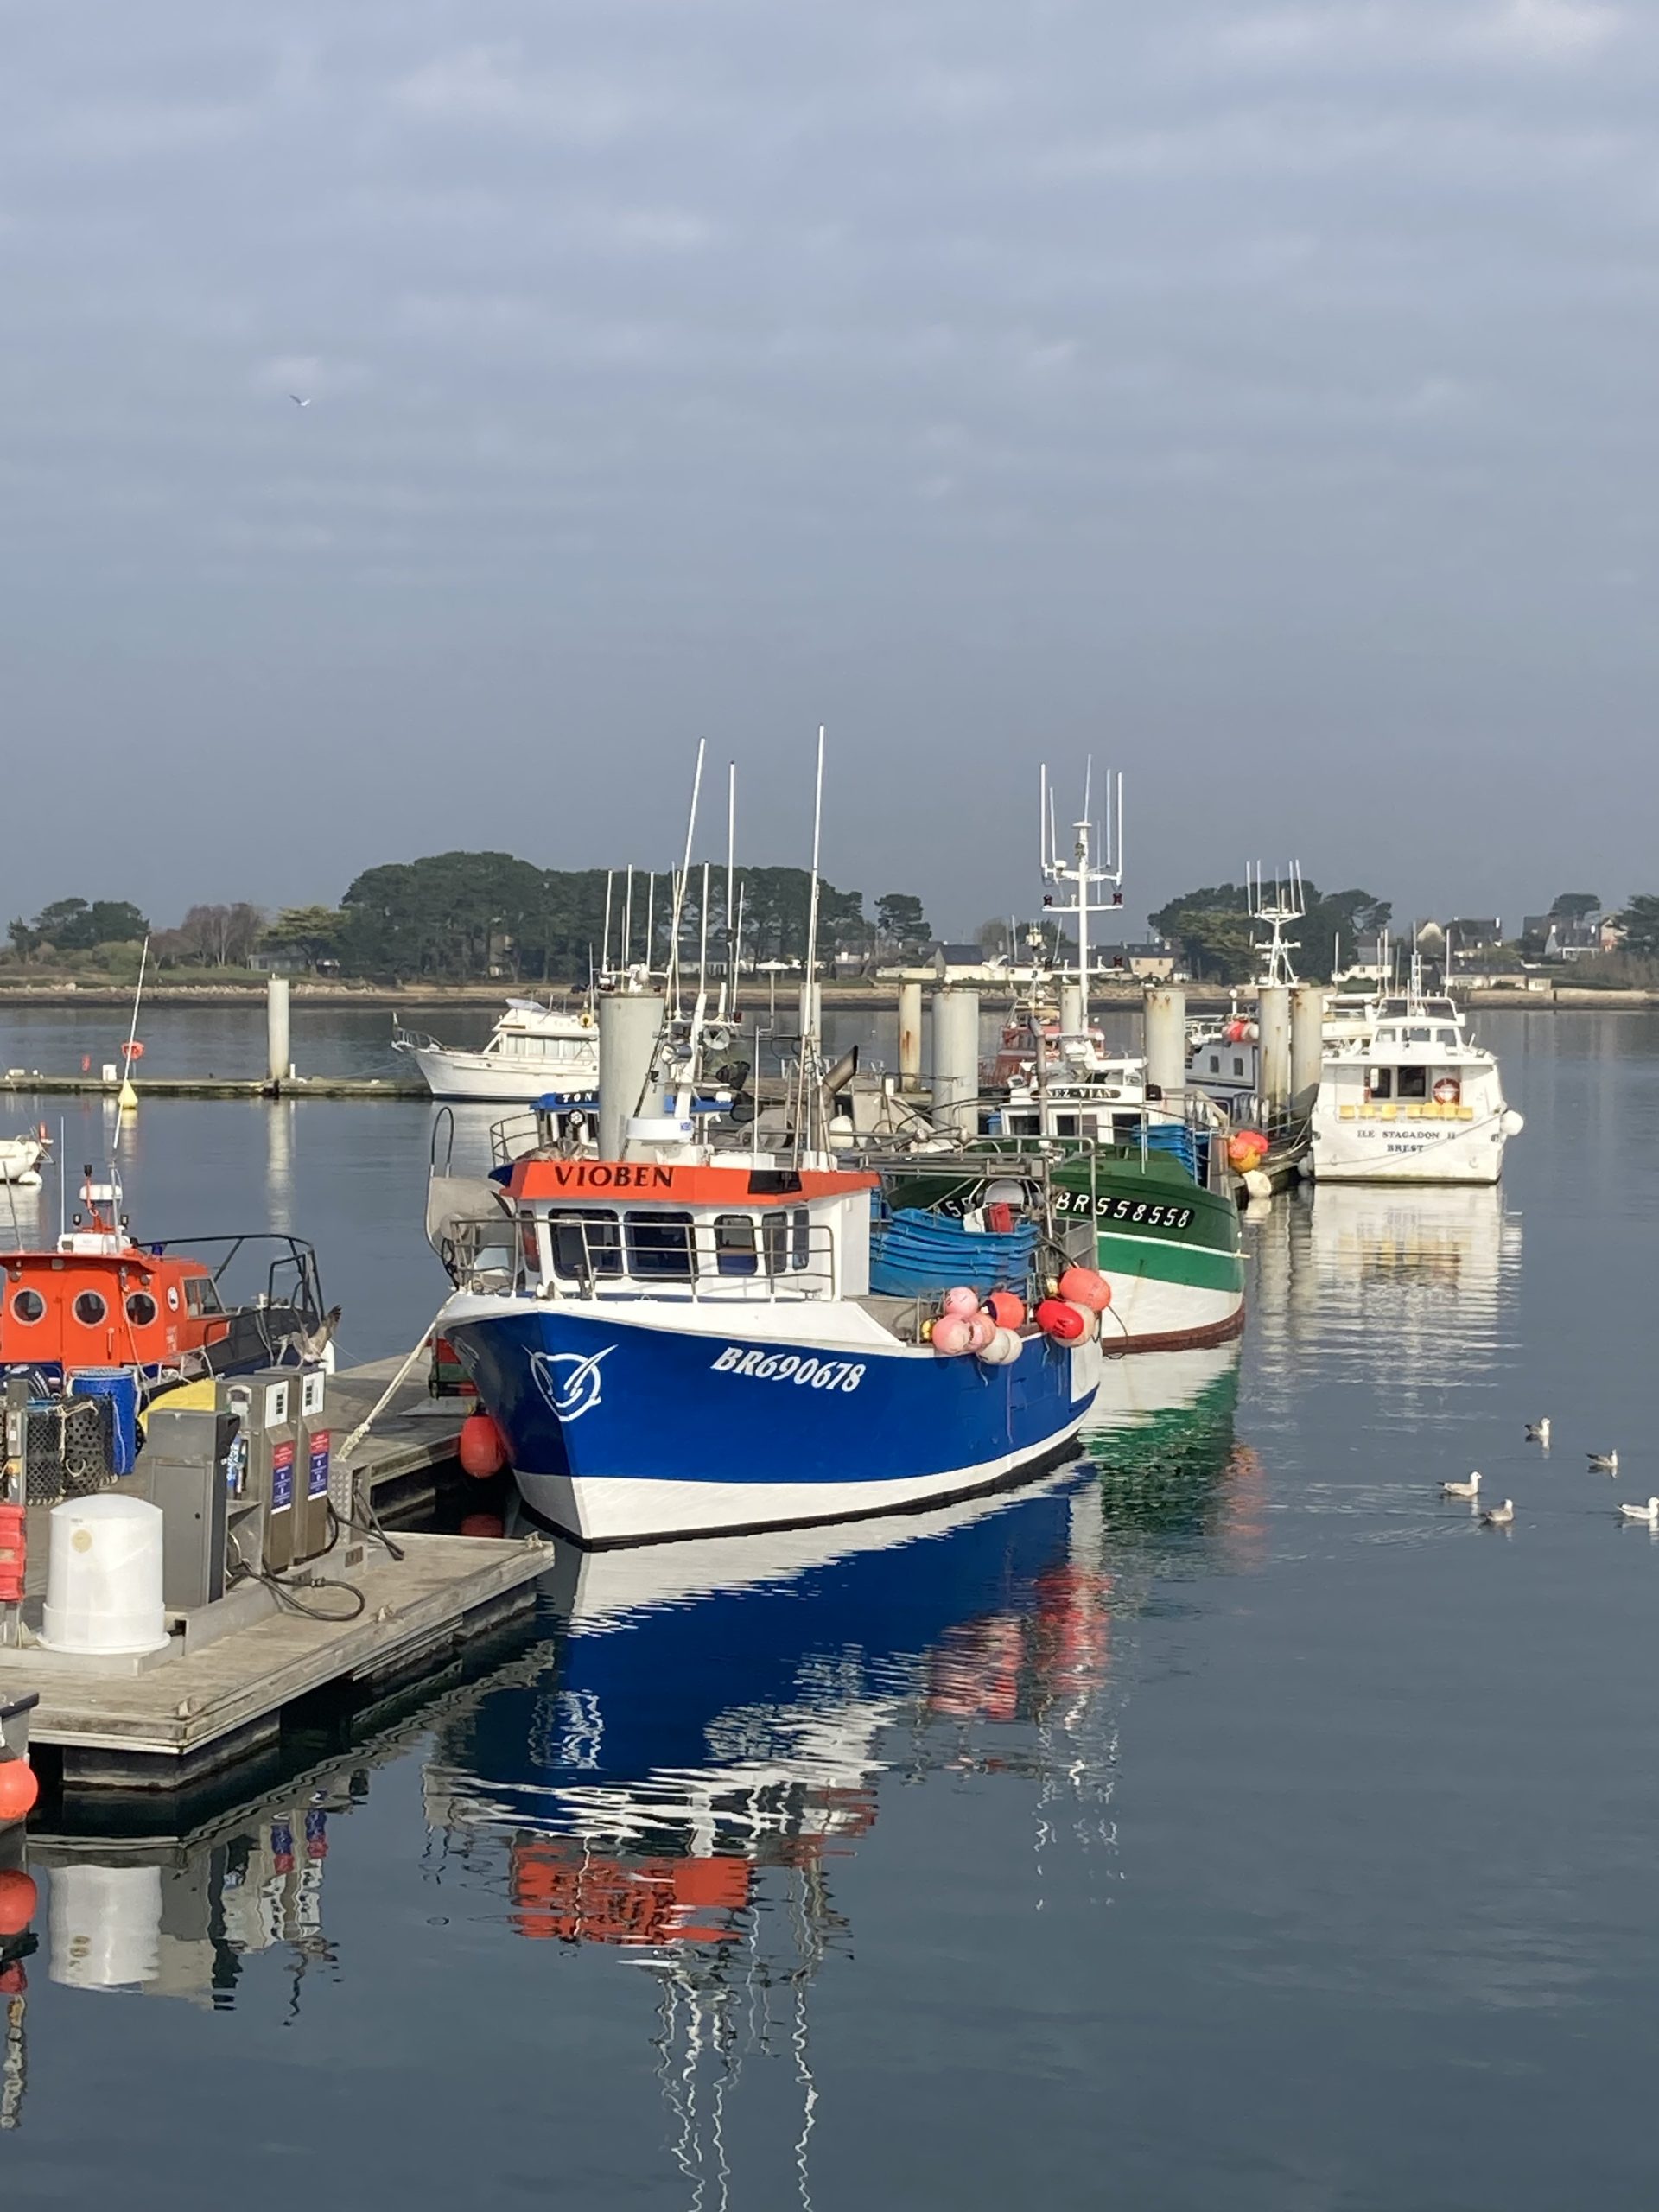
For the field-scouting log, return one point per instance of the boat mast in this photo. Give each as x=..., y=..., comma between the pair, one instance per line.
x=809, y=995
x=679, y=887
x=729, y=989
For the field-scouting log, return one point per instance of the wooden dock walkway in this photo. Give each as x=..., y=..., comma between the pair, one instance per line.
x=163, y=1725
x=20, y=1082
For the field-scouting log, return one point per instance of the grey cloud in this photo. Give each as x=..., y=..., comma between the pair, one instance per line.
x=1258, y=396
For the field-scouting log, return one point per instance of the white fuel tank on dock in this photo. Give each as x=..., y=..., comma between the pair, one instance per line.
x=103, y=1578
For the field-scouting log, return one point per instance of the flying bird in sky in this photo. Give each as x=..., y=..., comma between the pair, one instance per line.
x=297, y=401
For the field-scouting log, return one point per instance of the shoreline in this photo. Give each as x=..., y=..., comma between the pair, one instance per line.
x=855, y=997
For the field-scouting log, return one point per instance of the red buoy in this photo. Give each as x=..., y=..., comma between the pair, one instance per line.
x=482, y=1449
x=1065, y=1323
x=19, y=1901
x=18, y=1790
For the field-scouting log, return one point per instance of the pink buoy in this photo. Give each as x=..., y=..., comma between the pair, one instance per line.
x=981, y=1330
x=1086, y=1286
x=950, y=1335
x=960, y=1300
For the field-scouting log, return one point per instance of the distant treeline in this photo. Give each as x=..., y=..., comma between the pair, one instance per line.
x=461, y=917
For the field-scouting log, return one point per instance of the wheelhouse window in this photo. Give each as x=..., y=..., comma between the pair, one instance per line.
x=1214, y=1063
x=1381, y=1085
x=26, y=1305
x=800, y=1237
x=141, y=1309
x=201, y=1295
x=90, y=1308
x=586, y=1240
x=1238, y=1066
x=736, y=1251
x=660, y=1245
x=1412, y=1082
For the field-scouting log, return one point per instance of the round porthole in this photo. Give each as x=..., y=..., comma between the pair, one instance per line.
x=141, y=1309
x=26, y=1305
x=90, y=1309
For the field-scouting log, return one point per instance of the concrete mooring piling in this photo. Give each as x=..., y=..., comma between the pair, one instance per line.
x=955, y=1061
x=628, y=1024
x=910, y=1036
x=1272, y=1028
x=1306, y=1044
x=1164, y=1018
x=279, y=1064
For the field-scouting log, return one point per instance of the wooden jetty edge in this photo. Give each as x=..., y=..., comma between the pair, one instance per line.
x=164, y=1726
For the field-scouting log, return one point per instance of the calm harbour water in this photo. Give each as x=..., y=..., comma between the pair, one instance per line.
x=1228, y=1822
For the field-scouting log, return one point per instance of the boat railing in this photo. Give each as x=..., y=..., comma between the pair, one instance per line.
x=412, y=1040
x=646, y=1255
x=291, y=1278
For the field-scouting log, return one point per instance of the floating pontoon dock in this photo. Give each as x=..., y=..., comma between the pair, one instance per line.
x=162, y=1723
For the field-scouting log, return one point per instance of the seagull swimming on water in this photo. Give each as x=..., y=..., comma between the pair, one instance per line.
x=1471, y=1488
x=1499, y=1516
x=297, y=401
x=1603, y=1463
x=1538, y=1431
x=1649, y=1512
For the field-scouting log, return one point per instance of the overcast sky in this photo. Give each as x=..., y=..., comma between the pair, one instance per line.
x=1262, y=397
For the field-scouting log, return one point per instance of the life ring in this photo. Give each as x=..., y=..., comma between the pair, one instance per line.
x=1448, y=1091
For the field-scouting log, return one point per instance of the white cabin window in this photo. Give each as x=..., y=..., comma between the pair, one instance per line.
x=1214, y=1063
x=1445, y=1036
x=1381, y=1085
x=1412, y=1082
x=1238, y=1066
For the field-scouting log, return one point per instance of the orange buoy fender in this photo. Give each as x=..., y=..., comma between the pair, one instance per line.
x=19, y=1899
x=18, y=1790
x=1086, y=1286
x=1008, y=1310
x=482, y=1449
x=1066, y=1322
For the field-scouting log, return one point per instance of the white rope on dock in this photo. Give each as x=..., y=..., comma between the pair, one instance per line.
x=390, y=1390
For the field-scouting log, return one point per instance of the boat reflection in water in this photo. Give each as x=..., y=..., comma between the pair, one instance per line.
x=1416, y=1289
x=674, y=1774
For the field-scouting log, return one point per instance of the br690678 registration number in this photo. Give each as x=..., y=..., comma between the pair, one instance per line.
x=790, y=1367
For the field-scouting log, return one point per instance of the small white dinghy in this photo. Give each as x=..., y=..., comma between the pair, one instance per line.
x=20, y=1158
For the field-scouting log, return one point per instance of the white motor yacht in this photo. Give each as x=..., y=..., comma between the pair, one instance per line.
x=533, y=1049
x=1418, y=1101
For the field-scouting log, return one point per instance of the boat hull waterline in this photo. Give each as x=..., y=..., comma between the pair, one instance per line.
x=623, y=1428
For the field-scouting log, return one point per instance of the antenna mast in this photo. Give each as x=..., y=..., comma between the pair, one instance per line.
x=1287, y=905
x=1084, y=873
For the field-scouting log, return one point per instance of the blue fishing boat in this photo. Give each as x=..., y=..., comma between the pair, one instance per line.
x=688, y=1343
